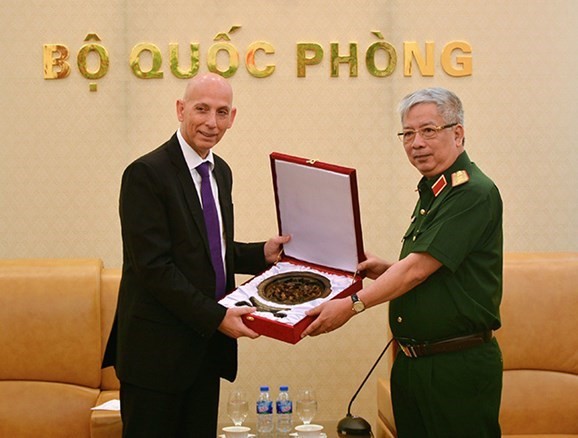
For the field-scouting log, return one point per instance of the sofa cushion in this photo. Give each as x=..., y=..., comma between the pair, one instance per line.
x=50, y=321
x=45, y=409
x=539, y=344
x=539, y=308
x=539, y=402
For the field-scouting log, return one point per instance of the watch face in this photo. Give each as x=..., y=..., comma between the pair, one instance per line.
x=358, y=305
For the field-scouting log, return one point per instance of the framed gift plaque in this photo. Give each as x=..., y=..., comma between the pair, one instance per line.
x=317, y=204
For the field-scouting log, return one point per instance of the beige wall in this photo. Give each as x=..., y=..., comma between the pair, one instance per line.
x=63, y=147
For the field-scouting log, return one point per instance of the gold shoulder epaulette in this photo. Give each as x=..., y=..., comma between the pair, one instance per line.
x=460, y=177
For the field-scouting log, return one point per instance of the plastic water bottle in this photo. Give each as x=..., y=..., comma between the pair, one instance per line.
x=284, y=410
x=264, y=411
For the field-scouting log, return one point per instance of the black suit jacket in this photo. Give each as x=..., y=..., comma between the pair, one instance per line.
x=167, y=316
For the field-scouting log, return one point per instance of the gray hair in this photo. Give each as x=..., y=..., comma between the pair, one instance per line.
x=448, y=104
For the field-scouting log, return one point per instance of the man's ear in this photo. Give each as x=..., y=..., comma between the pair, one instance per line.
x=233, y=114
x=180, y=108
x=459, y=135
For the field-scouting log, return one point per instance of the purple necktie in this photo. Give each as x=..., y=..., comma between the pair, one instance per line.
x=212, y=226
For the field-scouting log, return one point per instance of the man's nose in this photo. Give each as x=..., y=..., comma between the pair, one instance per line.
x=211, y=118
x=418, y=141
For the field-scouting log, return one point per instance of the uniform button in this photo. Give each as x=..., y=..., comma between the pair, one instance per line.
x=423, y=212
x=399, y=319
x=413, y=238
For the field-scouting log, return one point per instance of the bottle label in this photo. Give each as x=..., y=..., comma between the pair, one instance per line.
x=284, y=407
x=264, y=407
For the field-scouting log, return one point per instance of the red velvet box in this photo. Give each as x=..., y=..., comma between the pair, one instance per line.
x=317, y=204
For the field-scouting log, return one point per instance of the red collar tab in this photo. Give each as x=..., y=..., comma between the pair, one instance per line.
x=439, y=185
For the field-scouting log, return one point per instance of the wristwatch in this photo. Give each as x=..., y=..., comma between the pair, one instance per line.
x=358, y=305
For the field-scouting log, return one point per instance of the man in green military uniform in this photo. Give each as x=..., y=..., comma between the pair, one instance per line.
x=446, y=289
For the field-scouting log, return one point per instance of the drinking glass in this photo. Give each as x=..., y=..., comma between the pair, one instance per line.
x=237, y=406
x=306, y=405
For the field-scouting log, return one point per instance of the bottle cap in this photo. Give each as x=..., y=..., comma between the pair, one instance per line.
x=264, y=388
x=283, y=388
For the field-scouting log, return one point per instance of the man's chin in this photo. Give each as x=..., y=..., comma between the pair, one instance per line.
x=202, y=149
x=208, y=143
x=421, y=165
x=426, y=171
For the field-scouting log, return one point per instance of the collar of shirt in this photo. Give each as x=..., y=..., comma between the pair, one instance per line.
x=193, y=160
x=462, y=162
x=425, y=188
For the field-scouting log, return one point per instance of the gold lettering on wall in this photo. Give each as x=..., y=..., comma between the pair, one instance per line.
x=155, y=71
x=412, y=51
x=251, y=59
x=388, y=51
x=231, y=57
x=350, y=59
x=224, y=58
x=174, y=61
x=303, y=60
x=56, y=64
x=464, y=61
x=82, y=61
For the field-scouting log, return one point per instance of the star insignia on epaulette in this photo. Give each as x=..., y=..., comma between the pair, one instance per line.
x=460, y=177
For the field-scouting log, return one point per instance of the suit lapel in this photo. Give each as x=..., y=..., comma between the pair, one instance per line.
x=188, y=187
x=227, y=216
x=224, y=202
x=194, y=204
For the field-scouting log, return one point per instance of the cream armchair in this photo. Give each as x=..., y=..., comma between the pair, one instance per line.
x=55, y=316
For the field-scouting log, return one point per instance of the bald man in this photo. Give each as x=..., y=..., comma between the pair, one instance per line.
x=172, y=341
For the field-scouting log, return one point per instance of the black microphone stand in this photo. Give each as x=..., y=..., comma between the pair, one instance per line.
x=358, y=426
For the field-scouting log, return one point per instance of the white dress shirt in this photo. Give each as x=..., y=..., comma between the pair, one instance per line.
x=193, y=160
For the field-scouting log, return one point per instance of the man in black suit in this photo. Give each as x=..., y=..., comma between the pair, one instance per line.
x=171, y=341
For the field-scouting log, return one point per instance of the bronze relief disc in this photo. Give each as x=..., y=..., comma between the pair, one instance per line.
x=294, y=287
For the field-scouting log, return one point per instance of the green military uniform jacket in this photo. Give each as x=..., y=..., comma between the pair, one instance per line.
x=458, y=221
